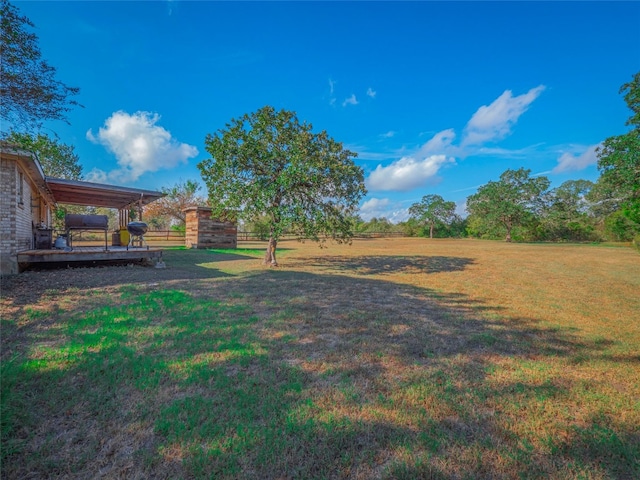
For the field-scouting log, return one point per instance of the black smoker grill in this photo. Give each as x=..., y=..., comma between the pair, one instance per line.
x=136, y=231
x=85, y=222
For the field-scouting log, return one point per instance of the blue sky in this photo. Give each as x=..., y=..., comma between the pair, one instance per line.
x=435, y=97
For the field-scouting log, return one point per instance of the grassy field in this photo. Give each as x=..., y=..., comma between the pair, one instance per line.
x=390, y=358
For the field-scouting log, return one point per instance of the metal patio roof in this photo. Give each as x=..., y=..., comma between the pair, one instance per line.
x=76, y=192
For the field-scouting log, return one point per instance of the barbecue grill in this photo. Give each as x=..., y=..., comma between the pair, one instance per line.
x=136, y=232
x=84, y=222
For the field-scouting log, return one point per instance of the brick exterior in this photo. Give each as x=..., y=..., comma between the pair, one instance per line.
x=203, y=231
x=8, y=206
x=21, y=209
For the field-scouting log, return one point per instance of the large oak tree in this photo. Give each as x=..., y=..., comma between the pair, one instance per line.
x=567, y=213
x=29, y=89
x=510, y=202
x=619, y=156
x=431, y=210
x=57, y=159
x=268, y=164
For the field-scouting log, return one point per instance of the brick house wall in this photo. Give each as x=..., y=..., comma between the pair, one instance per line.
x=22, y=208
x=8, y=207
x=25, y=219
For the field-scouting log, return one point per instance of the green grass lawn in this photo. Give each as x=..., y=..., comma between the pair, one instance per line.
x=387, y=359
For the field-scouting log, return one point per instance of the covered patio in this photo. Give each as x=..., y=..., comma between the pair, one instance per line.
x=88, y=194
x=123, y=199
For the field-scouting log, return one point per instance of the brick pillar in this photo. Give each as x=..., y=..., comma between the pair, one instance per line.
x=203, y=231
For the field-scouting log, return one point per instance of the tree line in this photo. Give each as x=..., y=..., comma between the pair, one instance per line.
x=520, y=206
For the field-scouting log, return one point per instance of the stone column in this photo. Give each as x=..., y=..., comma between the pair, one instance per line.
x=203, y=231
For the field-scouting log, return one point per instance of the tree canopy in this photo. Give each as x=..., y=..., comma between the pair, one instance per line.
x=431, y=210
x=619, y=156
x=269, y=164
x=177, y=197
x=510, y=202
x=57, y=159
x=29, y=89
x=567, y=212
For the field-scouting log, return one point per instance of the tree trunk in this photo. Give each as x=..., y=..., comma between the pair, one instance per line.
x=431, y=230
x=508, y=224
x=270, y=256
x=508, y=239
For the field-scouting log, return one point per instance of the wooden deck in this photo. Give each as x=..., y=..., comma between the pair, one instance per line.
x=84, y=254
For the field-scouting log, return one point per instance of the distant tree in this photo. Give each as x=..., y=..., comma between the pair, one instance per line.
x=269, y=164
x=259, y=227
x=478, y=227
x=378, y=225
x=618, y=227
x=29, y=89
x=606, y=208
x=567, y=213
x=457, y=227
x=410, y=227
x=157, y=223
x=432, y=210
x=603, y=199
x=176, y=199
x=57, y=159
x=357, y=223
x=511, y=202
x=619, y=156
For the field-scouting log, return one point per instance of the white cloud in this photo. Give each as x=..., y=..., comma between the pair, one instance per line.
x=350, y=101
x=332, y=85
x=493, y=122
x=440, y=143
x=417, y=169
x=97, y=176
x=504, y=152
x=170, y=4
x=371, y=92
x=374, y=205
x=383, y=207
x=407, y=173
x=332, y=88
x=389, y=134
x=140, y=146
x=569, y=162
x=489, y=123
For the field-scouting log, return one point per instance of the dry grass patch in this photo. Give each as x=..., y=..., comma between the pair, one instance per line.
x=402, y=358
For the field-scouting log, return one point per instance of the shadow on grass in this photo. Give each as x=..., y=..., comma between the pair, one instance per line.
x=386, y=264
x=181, y=264
x=283, y=374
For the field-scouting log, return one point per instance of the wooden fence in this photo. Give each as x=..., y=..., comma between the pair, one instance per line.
x=255, y=237
x=172, y=238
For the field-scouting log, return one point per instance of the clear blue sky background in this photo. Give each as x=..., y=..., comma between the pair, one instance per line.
x=435, y=97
